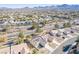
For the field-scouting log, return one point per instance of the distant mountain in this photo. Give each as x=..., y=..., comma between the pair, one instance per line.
x=70, y=7
x=61, y=7
x=5, y=8
x=57, y=7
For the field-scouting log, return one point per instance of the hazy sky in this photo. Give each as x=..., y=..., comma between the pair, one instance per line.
x=22, y=5
x=33, y=3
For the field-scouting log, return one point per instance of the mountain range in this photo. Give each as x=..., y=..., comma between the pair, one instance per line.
x=59, y=7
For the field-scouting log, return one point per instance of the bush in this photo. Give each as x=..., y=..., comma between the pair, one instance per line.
x=3, y=39
x=34, y=51
x=67, y=25
x=56, y=26
x=38, y=30
x=28, y=37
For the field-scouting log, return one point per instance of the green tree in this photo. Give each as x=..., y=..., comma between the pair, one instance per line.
x=34, y=25
x=21, y=35
x=20, y=38
x=38, y=29
x=67, y=25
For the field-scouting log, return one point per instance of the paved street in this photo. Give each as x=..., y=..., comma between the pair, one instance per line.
x=59, y=49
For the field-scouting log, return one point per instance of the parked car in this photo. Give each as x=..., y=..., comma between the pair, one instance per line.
x=65, y=48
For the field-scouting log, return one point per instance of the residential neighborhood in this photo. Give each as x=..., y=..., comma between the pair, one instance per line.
x=39, y=30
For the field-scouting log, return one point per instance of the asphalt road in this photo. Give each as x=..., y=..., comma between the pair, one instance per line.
x=15, y=34
x=59, y=49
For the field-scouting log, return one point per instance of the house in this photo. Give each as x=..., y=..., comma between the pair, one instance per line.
x=76, y=22
x=4, y=23
x=14, y=22
x=38, y=42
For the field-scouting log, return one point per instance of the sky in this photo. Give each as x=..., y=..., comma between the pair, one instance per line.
x=34, y=3
x=23, y=5
x=26, y=5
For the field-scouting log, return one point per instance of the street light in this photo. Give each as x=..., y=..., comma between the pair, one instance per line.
x=9, y=44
